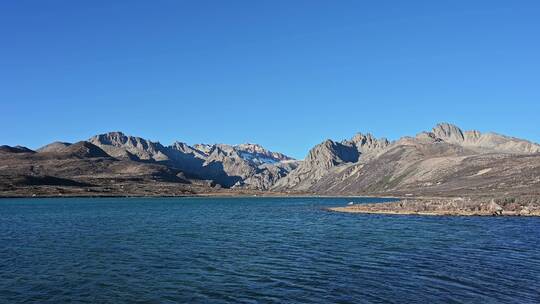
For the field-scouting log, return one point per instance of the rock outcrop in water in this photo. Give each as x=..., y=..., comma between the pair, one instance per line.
x=524, y=206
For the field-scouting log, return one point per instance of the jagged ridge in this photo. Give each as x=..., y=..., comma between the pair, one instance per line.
x=444, y=160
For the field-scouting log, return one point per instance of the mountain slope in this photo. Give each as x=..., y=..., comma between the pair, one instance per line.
x=85, y=169
x=445, y=161
x=16, y=149
x=326, y=157
x=53, y=147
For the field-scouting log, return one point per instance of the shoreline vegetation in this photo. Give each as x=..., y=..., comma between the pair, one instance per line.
x=525, y=206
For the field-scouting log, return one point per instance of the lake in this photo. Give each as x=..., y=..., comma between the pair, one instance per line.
x=258, y=250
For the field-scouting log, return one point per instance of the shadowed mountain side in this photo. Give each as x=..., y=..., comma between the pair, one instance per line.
x=82, y=149
x=81, y=165
x=268, y=175
x=226, y=165
x=16, y=149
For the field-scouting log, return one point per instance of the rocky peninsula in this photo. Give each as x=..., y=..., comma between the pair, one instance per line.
x=525, y=206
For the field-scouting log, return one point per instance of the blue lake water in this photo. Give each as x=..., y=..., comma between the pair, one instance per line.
x=258, y=250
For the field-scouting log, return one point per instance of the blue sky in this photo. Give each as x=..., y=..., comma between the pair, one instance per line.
x=285, y=74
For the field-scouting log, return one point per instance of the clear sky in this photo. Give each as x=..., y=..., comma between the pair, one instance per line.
x=285, y=74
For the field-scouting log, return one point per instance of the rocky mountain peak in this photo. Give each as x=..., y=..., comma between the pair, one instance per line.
x=111, y=138
x=329, y=154
x=361, y=138
x=206, y=148
x=185, y=148
x=449, y=133
x=253, y=153
x=253, y=148
x=120, y=139
x=367, y=142
x=258, y=154
x=178, y=145
x=219, y=152
x=480, y=142
x=318, y=162
x=119, y=145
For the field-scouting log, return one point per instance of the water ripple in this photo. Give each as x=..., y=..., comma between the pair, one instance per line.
x=258, y=250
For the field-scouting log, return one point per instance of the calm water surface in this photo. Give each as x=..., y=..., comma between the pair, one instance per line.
x=258, y=250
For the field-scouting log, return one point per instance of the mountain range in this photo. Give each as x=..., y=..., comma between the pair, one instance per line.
x=445, y=161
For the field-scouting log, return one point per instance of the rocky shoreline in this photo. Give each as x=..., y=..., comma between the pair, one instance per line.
x=525, y=206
